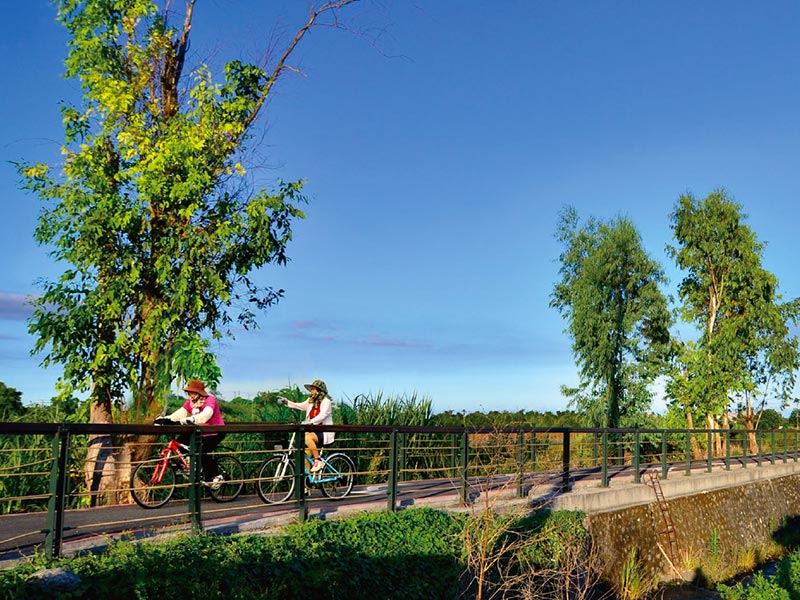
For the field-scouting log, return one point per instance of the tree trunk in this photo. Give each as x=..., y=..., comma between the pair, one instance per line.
x=716, y=442
x=692, y=439
x=107, y=470
x=750, y=426
x=99, y=471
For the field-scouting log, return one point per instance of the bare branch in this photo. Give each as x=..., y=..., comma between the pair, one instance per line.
x=314, y=14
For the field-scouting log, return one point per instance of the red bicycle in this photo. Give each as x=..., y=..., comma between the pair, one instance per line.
x=155, y=480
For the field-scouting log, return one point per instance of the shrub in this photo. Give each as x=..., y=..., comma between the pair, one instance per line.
x=409, y=554
x=760, y=588
x=788, y=574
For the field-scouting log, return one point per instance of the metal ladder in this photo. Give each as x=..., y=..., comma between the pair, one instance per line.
x=669, y=526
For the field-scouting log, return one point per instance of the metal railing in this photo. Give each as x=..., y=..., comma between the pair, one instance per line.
x=52, y=472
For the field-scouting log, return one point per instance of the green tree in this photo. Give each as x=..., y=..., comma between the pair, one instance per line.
x=11, y=405
x=618, y=319
x=153, y=212
x=745, y=347
x=770, y=419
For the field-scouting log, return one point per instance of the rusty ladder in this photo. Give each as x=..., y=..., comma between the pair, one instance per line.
x=669, y=526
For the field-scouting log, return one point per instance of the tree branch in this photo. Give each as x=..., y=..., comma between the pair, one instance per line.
x=314, y=13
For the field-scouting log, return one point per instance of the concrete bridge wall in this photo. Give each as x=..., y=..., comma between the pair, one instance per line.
x=728, y=516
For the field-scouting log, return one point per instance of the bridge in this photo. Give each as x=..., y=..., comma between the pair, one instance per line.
x=46, y=504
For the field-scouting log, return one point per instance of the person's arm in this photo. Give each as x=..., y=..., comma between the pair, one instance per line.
x=179, y=414
x=203, y=416
x=324, y=413
x=296, y=405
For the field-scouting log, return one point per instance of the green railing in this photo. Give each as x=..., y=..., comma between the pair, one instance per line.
x=50, y=468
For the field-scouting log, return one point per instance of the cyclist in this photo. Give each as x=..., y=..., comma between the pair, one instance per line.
x=318, y=408
x=202, y=409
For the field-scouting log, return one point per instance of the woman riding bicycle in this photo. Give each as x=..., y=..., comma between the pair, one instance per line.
x=201, y=409
x=318, y=408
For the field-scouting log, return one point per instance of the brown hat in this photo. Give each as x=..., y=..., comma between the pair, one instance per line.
x=196, y=386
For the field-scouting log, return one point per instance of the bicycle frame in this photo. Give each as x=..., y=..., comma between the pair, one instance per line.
x=173, y=447
x=320, y=477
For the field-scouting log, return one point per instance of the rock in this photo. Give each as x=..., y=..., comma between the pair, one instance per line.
x=53, y=581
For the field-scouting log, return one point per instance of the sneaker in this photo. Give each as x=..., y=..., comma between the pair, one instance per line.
x=217, y=482
x=317, y=466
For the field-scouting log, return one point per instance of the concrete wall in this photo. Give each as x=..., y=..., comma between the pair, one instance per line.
x=716, y=516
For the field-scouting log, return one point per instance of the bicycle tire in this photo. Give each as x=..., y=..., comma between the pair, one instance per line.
x=148, y=494
x=275, y=481
x=233, y=478
x=336, y=479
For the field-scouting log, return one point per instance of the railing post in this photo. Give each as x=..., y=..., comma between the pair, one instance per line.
x=604, y=464
x=709, y=451
x=664, y=449
x=727, y=449
x=520, y=463
x=195, y=481
x=565, y=461
x=391, y=489
x=300, y=474
x=455, y=450
x=796, y=436
x=785, y=445
x=760, y=446
x=464, y=474
x=637, y=478
x=58, y=493
x=533, y=452
x=772, y=447
x=688, y=452
x=744, y=448
x=401, y=456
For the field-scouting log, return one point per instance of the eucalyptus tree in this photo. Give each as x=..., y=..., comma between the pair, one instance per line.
x=153, y=213
x=618, y=317
x=745, y=346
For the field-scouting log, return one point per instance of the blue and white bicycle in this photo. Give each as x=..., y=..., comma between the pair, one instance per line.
x=276, y=475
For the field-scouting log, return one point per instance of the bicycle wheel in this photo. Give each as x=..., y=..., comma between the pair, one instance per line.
x=275, y=480
x=146, y=490
x=233, y=478
x=336, y=479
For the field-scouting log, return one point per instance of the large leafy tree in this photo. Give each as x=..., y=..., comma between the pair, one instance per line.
x=152, y=211
x=618, y=318
x=745, y=347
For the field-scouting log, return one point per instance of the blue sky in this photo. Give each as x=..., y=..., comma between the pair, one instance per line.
x=437, y=160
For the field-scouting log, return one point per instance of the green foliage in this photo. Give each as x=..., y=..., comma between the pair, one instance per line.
x=610, y=294
x=633, y=583
x=498, y=419
x=10, y=403
x=746, y=346
x=369, y=409
x=770, y=419
x=760, y=588
x=408, y=554
x=788, y=575
x=556, y=534
x=152, y=213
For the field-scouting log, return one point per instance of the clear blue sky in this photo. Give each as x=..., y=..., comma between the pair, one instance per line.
x=437, y=163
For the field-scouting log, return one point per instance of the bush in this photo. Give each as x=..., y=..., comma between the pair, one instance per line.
x=408, y=554
x=788, y=574
x=760, y=588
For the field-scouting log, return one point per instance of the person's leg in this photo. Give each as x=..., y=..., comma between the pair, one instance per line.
x=210, y=443
x=311, y=445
